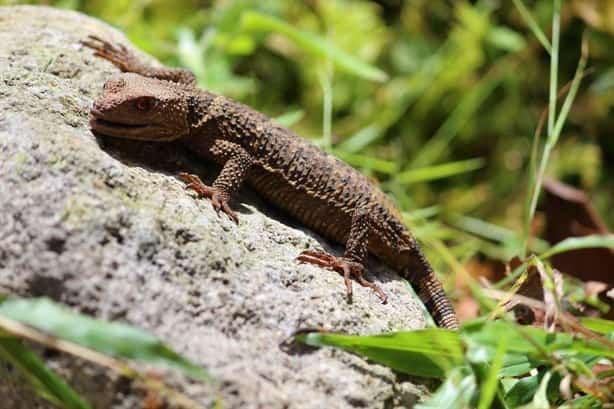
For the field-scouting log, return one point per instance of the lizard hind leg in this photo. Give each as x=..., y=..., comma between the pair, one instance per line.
x=344, y=266
x=352, y=264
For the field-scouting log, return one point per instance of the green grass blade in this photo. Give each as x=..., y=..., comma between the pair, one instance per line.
x=573, y=90
x=44, y=381
x=463, y=112
x=439, y=171
x=555, y=128
x=290, y=118
x=254, y=21
x=421, y=214
x=429, y=353
x=368, y=162
x=537, y=31
x=114, y=339
x=554, y=66
x=575, y=243
x=598, y=325
x=491, y=384
x=508, y=241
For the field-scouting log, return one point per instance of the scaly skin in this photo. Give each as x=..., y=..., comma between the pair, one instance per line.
x=327, y=195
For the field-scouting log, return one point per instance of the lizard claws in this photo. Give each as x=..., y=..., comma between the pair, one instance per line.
x=219, y=200
x=118, y=54
x=344, y=266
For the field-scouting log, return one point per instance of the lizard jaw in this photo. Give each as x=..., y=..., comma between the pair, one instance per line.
x=102, y=126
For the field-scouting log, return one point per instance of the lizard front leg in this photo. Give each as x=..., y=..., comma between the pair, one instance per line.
x=237, y=163
x=126, y=61
x=352, y=264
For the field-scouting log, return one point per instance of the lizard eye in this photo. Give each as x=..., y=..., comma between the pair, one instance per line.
x=145, y=104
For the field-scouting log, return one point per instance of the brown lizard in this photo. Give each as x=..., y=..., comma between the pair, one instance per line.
x=327, y=195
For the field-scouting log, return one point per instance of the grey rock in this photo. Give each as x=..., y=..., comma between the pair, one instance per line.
x=105, y=227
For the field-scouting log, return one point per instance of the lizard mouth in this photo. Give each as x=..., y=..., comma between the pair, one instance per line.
x=126, y=130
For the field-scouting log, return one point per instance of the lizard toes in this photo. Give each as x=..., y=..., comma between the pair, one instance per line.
x=220, y=204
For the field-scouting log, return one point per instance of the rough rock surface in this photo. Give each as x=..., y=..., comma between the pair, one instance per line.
x=105, y=227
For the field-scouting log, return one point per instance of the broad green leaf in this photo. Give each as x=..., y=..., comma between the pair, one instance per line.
x=523, y=390
x=115, y=339
x=515, y=364
x=523, y=340
x=455, y=393
x=575, y=243
x=583, y=402
x=428, y=353
x=540, y=399
x=254, y=21
x=44, y=381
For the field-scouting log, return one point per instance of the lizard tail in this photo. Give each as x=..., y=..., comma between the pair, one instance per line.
x=430, y=290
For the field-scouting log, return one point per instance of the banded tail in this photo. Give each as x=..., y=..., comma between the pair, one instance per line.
x=430, y=290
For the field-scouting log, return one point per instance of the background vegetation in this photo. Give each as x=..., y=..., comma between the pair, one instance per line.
x=437, y=100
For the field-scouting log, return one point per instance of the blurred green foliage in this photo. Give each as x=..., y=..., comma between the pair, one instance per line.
x=447, y=130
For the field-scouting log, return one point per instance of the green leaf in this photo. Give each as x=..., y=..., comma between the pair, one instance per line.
x=190, y=52
x=319, y=46
x=439, y=171
x=583, y=402
x=367, y=162
x=540, y=399
x=506, y=39
x=523, y=390
x=491, y=385
x=575, y=243
x=537, y=31
x=44, y=381
x=290, y=118
x=460, y=116
x=529, y=341
x=115, y=339
x=598, y=325
x=428, y=353
x=455, y=393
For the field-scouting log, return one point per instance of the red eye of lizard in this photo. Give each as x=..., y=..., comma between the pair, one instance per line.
x=145, y=104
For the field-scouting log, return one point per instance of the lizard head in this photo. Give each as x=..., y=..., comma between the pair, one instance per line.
x=136, y=107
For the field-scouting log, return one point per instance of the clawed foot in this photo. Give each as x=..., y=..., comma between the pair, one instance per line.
x=219, y=200
x=118, y=54
x=343, y=266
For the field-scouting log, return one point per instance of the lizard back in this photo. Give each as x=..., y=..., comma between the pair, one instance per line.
x=309, y=184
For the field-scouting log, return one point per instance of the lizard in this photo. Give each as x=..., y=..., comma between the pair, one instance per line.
x=322, y=192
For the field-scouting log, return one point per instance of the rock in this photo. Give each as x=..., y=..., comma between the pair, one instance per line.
x=105, y=227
